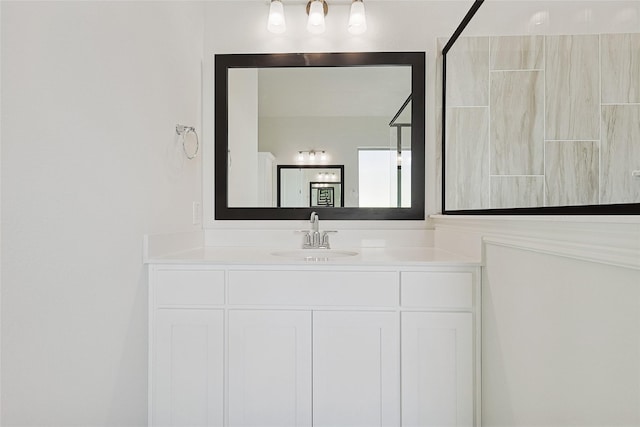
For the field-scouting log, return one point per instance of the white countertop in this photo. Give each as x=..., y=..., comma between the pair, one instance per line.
x=411, y=256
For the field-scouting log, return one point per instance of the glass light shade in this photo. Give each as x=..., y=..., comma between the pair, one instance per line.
x=357, y=18
x=276, y=23
x=315, y=24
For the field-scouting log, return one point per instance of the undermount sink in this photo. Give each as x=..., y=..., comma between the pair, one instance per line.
x=314, y=254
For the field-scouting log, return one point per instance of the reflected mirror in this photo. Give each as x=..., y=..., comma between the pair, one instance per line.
x=310, y=186
x=340, y=133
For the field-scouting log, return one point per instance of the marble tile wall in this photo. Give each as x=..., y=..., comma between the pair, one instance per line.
x=571, y=175
x=517, y=144
x=467, y=156
x=620, y=68
x=620, y=153
x=572, y=76
x=562, y=121
x=517, y=191
x=468, y=72
x=517, y=53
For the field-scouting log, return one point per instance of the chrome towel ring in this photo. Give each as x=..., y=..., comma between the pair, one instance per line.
x=183, y=132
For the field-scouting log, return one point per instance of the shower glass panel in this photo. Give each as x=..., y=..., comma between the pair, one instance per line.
x=542, y=109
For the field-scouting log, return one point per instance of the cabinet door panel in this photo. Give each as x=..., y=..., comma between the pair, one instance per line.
x=269, y=368
x=188, y=368
x=356, y=379
x=437, y=369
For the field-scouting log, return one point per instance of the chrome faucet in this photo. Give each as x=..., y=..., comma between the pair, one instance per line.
x=314, y=239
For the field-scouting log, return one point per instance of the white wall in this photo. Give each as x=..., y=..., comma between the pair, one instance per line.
x=561, y=341
x=91, y=94
x=560, y=317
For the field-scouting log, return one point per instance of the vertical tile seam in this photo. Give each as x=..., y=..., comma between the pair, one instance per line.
x=544, y=121
x=600, y=124
x=489, y=201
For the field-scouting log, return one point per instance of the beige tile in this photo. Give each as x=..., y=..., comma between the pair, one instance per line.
x=571, y=175
x=517, y=191
x=572, y=98
x=517, y=53
x=620, y=153
x=517, y=123
x=467, y=158
x=620, y=68
x=468, y=72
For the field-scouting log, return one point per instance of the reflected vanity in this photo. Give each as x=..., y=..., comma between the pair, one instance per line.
x=337, y=133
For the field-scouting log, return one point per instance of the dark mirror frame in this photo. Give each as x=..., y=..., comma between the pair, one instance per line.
x=223, y=63
x=612, y=209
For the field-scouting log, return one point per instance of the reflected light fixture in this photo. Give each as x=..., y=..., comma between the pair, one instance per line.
x=357, y=18
x=276, y=23
x=316, y=9
x=539, y=22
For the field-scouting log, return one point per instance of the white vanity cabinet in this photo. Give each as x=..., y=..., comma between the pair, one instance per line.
x=356, y=380
x=187, y=352
x=438, y=348
x=269, y=368
x=319, y=345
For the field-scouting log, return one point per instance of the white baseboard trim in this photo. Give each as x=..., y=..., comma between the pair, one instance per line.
x=605, y=255
x=612, y=241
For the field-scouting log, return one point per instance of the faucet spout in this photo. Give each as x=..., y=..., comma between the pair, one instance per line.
x=314, y=239
x=315, y=222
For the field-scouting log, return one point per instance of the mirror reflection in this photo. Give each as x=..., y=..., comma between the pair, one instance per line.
x=309, y=118
x=310, y=186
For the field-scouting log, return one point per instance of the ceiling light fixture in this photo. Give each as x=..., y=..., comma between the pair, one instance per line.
x=276, y=23
x=357, y=18
x=316, y=9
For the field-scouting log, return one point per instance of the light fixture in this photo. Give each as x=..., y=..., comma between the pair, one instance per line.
x=316, y=9
x=357, y=18
x=311, y=156
x=276, y=23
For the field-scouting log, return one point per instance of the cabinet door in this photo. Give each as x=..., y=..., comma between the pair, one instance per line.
x=437, y=369
x=356, y=369
x=188, y=368
x=269, y=368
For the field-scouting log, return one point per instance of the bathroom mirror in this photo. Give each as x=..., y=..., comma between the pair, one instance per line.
x=316, y=110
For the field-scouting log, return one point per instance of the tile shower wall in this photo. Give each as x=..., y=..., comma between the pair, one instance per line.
x=543, y=121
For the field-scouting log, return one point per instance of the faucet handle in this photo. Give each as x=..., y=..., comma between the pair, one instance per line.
x=306, y=239
x=325, y=238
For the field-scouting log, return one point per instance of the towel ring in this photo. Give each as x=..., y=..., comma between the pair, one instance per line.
x=182, y=132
